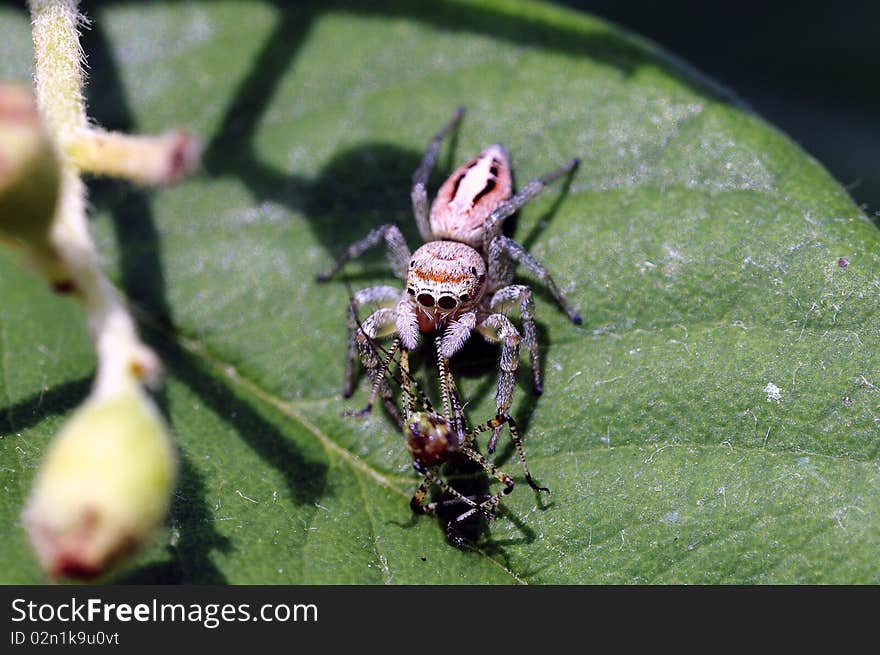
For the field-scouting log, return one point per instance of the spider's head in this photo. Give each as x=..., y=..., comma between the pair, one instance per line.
x=431, y=439
x=446, y=277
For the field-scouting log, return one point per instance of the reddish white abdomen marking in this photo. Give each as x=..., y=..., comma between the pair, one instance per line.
x=466, y=199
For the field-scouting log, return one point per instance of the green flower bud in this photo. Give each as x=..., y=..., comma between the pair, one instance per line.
x=29, y=170
x=104, y=485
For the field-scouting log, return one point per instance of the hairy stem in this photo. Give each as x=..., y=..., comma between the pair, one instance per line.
x=73, y=265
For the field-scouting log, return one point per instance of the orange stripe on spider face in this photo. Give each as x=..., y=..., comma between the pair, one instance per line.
x=439, y=277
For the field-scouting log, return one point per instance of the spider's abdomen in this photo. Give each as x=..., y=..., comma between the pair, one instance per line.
x=471, y=193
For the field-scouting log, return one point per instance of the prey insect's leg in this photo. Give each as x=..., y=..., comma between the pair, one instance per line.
x=380, y=323
x=415, y=503
x=398, y=251
x=431, y=477
x=380, y=384
x=502, y=247
x=418, y=506
x=488, y=505
x=419, y=193
x=387, y=396
x=497, y=422
x=412, y=391
x=508, y=207
x=449, y=393
x=487, y=508
x=408, y=397
x=443, y=374
x=491, y=469
x=383, y=297
x=495, y=328
x=521, y=293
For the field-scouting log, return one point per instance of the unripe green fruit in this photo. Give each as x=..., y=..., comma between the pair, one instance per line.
x=29, y=170
x=104, y=486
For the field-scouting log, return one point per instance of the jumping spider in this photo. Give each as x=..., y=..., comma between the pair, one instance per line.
x=435, y=440
x=457, y=281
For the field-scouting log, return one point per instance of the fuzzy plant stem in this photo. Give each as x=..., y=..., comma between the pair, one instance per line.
x=59, y=83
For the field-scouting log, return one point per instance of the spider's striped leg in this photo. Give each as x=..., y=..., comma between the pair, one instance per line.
x=502, y=247
x=529, y=191
x=419, y=192
x=398, y=251
x=523, y=294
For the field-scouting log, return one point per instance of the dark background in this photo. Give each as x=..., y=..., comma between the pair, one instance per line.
x=810, y=68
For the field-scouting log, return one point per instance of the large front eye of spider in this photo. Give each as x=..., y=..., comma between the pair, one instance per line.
x=447, y=302
x=425, y=299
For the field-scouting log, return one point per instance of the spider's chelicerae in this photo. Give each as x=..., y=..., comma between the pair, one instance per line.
x=462, y=276
x=435, y=440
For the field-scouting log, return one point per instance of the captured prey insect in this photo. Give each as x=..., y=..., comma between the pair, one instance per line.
x=460, y=279
x=436, y=440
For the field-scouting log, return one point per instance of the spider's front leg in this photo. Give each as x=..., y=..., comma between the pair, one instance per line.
x=383, y=297
x=456, y=335
x=523, y=294
x=398, y=251
x=363, y=338
x=498, y=328
x=407, y=323
x=385, y=321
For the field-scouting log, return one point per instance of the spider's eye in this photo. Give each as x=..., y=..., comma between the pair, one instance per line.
x=447, y=302
x=425, y=299
x=464, y=297
x=412, y=263
x=473, y=270
x=411, y=291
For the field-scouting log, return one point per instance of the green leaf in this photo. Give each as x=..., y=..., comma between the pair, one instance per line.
x=701, y=246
